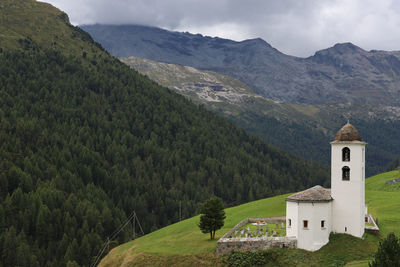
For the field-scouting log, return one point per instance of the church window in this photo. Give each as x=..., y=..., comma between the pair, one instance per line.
x=346, y=173
x=323, y=224
x=305, y=224
x=346, y=154
x=289, y=222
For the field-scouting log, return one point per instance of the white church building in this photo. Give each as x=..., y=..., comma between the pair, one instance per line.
x=311, y=215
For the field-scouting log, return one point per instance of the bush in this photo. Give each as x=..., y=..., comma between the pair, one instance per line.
x=249, y=258
x=388, y=253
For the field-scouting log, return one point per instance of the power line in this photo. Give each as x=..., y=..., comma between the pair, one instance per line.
x=106, y=244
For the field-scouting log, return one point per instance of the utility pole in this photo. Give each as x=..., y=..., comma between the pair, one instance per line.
x=134, y=226
x=180, y=210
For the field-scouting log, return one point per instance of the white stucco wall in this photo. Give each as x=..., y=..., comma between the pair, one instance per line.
x=348, y=206
x=344, y=214
x=292, y=212
x=314, y=237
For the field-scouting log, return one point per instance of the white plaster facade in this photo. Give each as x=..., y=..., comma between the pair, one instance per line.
x=348, y=207
x=314, y=236
x=342, y=209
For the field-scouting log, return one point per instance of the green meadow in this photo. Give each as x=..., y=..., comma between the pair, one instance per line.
x=182, y=244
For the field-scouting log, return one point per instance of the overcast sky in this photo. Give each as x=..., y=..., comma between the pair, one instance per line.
x=295, y=27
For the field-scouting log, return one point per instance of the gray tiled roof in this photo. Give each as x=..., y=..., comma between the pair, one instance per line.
x=313, y=194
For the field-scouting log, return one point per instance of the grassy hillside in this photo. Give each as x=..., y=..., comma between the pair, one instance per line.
x=48, y=27
x=184, y=239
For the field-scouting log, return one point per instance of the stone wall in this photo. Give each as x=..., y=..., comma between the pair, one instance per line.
x=226, y=244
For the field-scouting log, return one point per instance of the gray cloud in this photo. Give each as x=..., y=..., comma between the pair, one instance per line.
x=295, y=27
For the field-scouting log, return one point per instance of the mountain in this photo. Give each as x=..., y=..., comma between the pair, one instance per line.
x=196, y=249
x=342, y=73
x=85, y=141
x=305, y=130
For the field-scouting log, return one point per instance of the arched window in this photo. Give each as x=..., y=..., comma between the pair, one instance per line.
x=346, y=173
x=346, y=154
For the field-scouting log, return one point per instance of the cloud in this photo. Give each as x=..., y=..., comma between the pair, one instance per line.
x=295, y=27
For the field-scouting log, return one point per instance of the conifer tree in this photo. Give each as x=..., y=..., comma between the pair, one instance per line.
x=212, y=216
x=388, y=253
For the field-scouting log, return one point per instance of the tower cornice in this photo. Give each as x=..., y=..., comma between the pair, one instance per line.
x=348, y=142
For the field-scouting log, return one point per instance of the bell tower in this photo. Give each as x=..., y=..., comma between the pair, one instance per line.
x=348, y=182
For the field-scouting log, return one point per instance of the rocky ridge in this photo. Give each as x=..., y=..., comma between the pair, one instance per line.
x=342, y=73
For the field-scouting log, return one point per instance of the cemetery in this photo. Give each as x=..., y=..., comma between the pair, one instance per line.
x=259, y=229
x=256, y=234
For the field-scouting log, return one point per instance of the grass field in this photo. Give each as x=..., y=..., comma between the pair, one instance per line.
x=182, y=244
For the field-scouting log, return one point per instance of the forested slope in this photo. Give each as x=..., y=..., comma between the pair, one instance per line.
x=84, y=141
x=304, y=130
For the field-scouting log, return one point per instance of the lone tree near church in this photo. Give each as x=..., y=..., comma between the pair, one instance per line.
x=212, y=216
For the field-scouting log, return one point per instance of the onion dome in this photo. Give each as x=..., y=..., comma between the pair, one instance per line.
x=348, y=133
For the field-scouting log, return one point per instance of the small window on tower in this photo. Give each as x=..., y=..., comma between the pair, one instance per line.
x=346, y=154
x=305, y=224
x=289, y=222
x=346, y=173
x=323, y=224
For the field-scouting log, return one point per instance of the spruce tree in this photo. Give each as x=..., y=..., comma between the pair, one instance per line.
x=388, y=253
x=212, y=216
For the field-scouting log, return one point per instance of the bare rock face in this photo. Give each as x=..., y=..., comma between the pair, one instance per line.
x=200, y=86
x=343, y=73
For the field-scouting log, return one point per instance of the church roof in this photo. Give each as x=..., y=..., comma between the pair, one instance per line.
x=348, y=133
x=313, y=194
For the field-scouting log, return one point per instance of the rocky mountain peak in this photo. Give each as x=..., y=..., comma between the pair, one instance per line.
x=338, y=50
x=344, y=71
x=348, y=47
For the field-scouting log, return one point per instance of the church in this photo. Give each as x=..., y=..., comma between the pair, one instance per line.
x=311, y=215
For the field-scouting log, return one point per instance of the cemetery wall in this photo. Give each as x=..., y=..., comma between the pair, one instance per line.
x=226, y=245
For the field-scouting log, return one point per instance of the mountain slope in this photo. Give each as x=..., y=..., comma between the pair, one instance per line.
x=343, y=73
x=304, y=130
x=85, y=141
x=203, y=86
x=184, y=238
x=24, y=21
